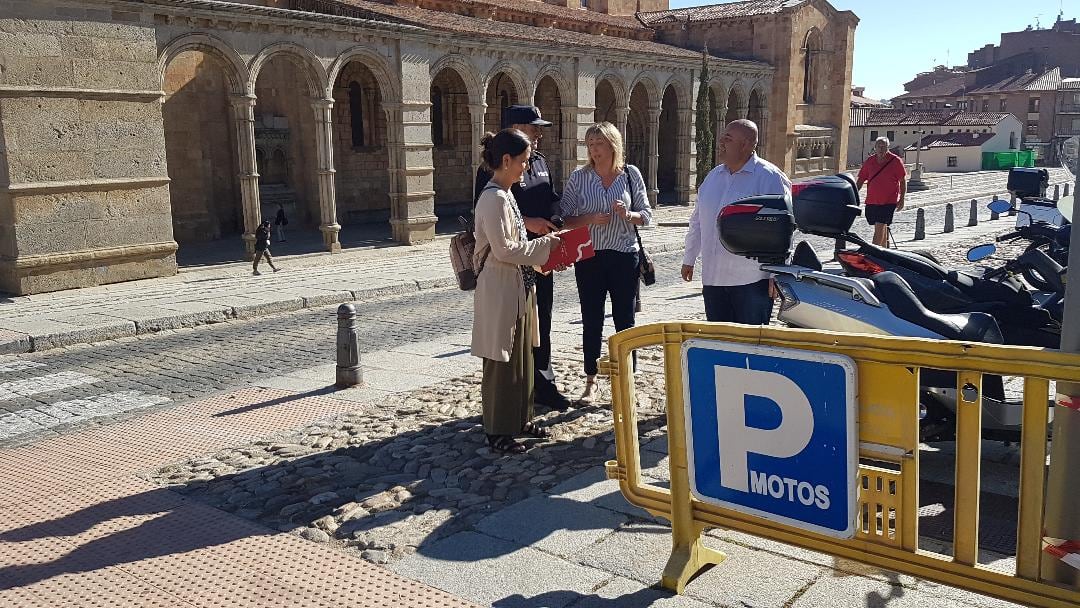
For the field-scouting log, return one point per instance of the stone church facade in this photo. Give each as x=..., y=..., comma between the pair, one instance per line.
x=133, y=127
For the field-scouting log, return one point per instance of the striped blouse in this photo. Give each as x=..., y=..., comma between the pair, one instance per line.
x=585, y=193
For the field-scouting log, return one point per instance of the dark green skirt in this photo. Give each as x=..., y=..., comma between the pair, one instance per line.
x=507, y=388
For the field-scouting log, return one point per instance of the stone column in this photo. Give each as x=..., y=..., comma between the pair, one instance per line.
x=477, y=112
x=412, y=194
x=324, y=130
x=569, y=143
x=654, y=154
x=244, y=119
x=622, y=116
x=718, y=129
x=685, y=167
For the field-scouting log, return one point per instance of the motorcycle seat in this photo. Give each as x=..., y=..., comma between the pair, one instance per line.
x=895, y=292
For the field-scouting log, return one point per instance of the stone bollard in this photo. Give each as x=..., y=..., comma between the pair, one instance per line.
x=1012, y=205
x=993, y=214
x=1066, y=192
x=1057, y=192
x=920, y=224
x=349, y=372
x=973, y=216
x=950, y=221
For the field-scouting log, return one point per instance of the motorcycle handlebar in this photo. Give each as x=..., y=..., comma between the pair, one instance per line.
x=1009, y=236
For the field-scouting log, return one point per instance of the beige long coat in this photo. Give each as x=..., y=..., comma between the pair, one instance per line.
x=499, y=300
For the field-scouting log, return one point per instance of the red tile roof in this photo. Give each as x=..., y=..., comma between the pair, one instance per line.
x=888, y=117
x=713, y=12
x=946, y=88
x=562, y=13
x=973, y=119
x=1069, y=84
x=1045, y=81
x=953, y=140
x=453, y=22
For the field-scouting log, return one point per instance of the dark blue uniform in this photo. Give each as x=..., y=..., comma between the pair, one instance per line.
x=536, y=197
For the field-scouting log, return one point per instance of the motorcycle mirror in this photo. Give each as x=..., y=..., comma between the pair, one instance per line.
x=999, y=206
x=981, y=252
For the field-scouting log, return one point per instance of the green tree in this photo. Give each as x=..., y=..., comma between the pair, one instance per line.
x=703, y=121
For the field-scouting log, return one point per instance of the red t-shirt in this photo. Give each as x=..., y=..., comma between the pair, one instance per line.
x=884, y=189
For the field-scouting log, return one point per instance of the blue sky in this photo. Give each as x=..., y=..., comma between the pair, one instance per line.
x=899, y=38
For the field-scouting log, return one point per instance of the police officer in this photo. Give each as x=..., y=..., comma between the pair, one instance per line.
x=539, y=204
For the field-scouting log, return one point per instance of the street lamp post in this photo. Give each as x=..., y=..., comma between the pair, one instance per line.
x=915, y=184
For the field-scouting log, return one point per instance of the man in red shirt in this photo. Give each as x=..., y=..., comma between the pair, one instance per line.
x=886, y=180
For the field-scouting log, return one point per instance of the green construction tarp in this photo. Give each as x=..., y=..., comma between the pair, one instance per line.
x=1008, y=160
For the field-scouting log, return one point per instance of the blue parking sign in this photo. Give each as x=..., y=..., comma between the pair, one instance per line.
x=772, y=432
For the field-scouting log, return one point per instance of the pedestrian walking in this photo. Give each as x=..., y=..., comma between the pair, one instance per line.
x=735, y=289
x=262, y=247
x=608, y=196
x=886, y=180
x=538, y=202
x=280, y=221
x=505, y=327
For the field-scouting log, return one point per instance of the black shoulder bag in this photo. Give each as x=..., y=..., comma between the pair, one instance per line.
x=646, y=268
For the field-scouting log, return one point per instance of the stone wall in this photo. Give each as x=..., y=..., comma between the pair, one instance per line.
x=550, y=103
x=84, y=184
x=363, y=177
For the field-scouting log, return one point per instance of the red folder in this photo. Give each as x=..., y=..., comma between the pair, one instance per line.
x=574, y=245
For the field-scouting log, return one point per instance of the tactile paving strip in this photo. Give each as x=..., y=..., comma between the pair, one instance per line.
x=77, y=528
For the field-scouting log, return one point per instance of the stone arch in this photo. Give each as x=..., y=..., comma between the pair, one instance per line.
x=361, y=154
x=237, y=72
x=648, y=84
x=453, y=152
x=556, y=75
x=736, y=102
x=504, y=86
x=813, y=44
x=681, y=88
x=548, y=97
x=388, y=85
x=609, y=98
x=313, y=70
x=199, y=80
x=668, y=146
x=285, y=120
x=465, y=70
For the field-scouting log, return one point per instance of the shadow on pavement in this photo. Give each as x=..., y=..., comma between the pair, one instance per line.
x=326, y=390
x=642, y=598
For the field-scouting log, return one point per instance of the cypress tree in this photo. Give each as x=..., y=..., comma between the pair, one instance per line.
x=703, y=122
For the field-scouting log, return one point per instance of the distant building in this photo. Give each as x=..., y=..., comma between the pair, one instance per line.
x=1034, y=49
x=905, y=127
x=860, y=100
x=1067, y=118
x=955, y=152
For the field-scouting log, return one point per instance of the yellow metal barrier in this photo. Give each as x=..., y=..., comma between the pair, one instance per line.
x=888, y=414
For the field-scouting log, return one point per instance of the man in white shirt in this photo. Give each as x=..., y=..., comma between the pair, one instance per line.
x=735, y=288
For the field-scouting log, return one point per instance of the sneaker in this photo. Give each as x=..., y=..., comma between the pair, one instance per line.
x=256, y=273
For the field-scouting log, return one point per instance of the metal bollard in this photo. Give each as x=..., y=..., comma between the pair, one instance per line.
x=950, y=221
x=973, y=216
x=993, y=214
x=349, y=372
x=920, y=224
x=1057, y=192
x=1012, y=203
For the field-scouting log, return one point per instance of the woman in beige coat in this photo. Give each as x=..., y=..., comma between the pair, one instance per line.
x=505, y=326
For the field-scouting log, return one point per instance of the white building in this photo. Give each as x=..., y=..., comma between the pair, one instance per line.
x=905, y=127
x=954, y=152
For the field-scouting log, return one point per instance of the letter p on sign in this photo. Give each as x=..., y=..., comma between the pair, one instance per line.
x=772, y=432
x=737, y=440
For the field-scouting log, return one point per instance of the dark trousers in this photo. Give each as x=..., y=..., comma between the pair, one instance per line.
x=749, y=304
x=609, y=272
x=545, y=301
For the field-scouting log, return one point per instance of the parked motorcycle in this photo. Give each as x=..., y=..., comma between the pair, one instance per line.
x=883, y=302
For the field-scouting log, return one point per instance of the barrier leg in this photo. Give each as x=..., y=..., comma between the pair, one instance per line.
x=688, y=555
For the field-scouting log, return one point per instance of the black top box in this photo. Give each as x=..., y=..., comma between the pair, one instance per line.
x=758, y=227
x=1028, y=182
x=825, y=206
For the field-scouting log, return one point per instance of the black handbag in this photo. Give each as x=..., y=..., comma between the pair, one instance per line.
x=646, y=268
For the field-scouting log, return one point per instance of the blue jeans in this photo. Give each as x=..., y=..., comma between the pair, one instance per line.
x=749, y=304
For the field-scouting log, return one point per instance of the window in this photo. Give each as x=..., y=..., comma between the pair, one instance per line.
x=891, y=135
x=1033, y=105
x=951, y=161
x=437, y=116
x=1033, y=128
x=1075, y=125
x=986, y=105
x=356, y=114
x=811, y=48
x=873, y=136
x=1003, y=105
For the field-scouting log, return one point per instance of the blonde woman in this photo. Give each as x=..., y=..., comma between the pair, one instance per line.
x=608, y=196
x=505, y=327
